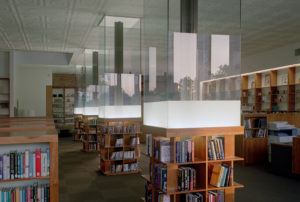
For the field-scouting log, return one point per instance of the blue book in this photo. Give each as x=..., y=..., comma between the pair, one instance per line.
x=19, y=165
x=1, y=168
x=224, y=176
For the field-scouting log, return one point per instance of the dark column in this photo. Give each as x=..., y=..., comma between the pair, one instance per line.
x=118, y=47
x=95, y=68
x=189, y=16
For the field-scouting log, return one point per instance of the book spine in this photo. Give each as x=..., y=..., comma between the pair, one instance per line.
x=38, y=163
x=16, y=165
x=12, y=166
x=7, y=166
x=1, y=168
x=34, y=164
x=26, y=164
x=193, y=151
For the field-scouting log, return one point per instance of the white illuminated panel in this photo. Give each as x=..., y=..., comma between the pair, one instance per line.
x=192, y=114
x=90, y=111
x=78, y=110
x=122, y=111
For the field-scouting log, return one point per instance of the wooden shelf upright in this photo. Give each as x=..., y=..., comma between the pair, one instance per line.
x=18, y=134
x=78, y=127
x=90, y=140
x=112, y=130
x=201, y=164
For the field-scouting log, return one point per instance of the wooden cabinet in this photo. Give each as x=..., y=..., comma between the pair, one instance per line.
x=296, y=155
x=256, y=150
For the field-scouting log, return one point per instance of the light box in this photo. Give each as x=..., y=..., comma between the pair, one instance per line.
x=191, y=67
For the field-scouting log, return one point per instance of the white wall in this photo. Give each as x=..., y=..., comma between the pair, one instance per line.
x=31, y=89
x=284, y=55
x=4, y=64
x=38, y=60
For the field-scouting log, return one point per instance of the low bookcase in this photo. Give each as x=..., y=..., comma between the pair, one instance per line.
x=78, y=127
x=31, y=140
x=199, y=161
x=90, y=140
x=119, y=146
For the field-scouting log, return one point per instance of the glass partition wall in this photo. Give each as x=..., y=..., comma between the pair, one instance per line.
x=186, y=44
x=79, y=90
x=119, y=68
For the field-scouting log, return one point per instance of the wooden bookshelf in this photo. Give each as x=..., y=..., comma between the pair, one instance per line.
x=200, y=136
x=252, y=146
x=90, y=132
x=112, y=130
x=61, y=106
x=78, y=127
x=38, y=136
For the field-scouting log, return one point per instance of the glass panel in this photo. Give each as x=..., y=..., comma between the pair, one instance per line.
x=120, y=68
x=192, y=67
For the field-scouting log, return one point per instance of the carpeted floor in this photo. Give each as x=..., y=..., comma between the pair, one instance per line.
x=79, y=180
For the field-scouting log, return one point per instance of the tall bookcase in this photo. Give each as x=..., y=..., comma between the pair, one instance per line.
x=63, y=107
x=119, y=146
x=4, y=97
x=90, y=140
x=201, y=163
x=28, y=138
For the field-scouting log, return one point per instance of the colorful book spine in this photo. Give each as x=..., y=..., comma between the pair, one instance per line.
x=38, y=163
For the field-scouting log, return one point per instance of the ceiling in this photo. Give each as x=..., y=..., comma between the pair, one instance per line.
x=71, y=25
x=58, y=25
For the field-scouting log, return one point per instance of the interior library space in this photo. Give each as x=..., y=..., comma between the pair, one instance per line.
x=149, y=101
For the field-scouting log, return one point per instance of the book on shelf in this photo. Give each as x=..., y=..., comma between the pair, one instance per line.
x=185, y=151
x=133, y=141
x=92, y=122
x=20, y=165
x=161, y=149
x=118, y=129
x=119, y=142
x=131, y=167
x=161, y=197
x=216, y=196
x=195, y=197
x=220, y=175
x=186, y=178
x=118, y=155
x=35, y=192
x=116, y=168
x=216, y=149
x=160, y=176
x=247, y=123
x=248, y=134
x=261, y=133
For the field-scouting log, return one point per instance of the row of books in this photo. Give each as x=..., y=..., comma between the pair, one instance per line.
x=119, y=129
x=118, y=155
x=260, y=133
x=221, y=175
x=161, y=149
x=185, y=151
x=216, y=149
x=93, y=146
x=160, y=176
x=195, y=197
x=18, y=165
x=216, y=196
x=40, y=193
x=117, y=168
x=186, y=178
x=92, y=122
x=132, y=142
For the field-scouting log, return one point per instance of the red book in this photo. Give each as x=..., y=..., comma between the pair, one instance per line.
x=38, y=163
x=12, y=195
x=28, y=195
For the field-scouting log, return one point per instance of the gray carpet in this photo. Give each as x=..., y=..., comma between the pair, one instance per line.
x=79, y=180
